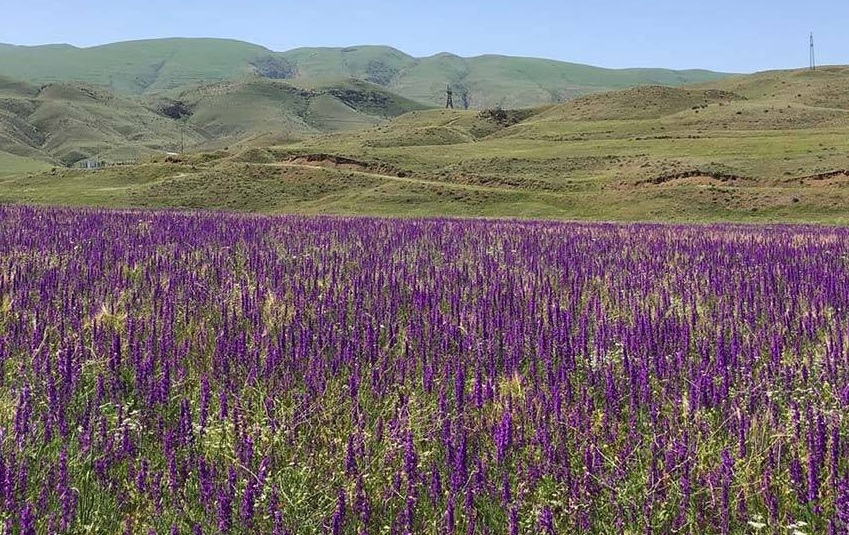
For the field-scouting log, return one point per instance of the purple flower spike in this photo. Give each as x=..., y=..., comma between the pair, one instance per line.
x=546, y=521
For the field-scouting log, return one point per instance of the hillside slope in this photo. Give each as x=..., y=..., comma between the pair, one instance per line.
x=510, y=82
x=64, y=123
x=153, y=66
x=778, y=101
x=68, y=122
x=234, y=109
x=134, y=67
x=826, y=87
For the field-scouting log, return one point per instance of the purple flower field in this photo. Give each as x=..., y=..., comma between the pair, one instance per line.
x=214, y=373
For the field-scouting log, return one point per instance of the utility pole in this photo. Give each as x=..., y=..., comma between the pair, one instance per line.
x=813, y=57
x=449, y=103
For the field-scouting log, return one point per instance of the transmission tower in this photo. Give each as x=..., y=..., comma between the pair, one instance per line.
x=813, y=57
x=449, y=102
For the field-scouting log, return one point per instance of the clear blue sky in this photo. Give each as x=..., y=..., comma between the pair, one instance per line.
x=729, y=35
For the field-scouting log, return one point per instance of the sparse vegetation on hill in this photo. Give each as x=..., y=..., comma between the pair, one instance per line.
x=648, y=102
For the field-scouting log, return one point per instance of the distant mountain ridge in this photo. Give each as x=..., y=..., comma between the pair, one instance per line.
x=162, y=65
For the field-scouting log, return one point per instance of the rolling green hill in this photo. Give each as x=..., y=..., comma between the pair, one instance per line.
x=766, y=147
x=135, y=67
x=154, y=66
x=69, y=122
x=510, y=82
x=771, y=146
x=233, y=109
x=65, y=123
x=823, y=88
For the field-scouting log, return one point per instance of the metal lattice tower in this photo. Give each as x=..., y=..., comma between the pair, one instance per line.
x=813, y=57
x=449, y=102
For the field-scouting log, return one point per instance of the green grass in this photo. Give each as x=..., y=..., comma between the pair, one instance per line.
x=274, y=188
x=83, y=187
x=13, y=165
